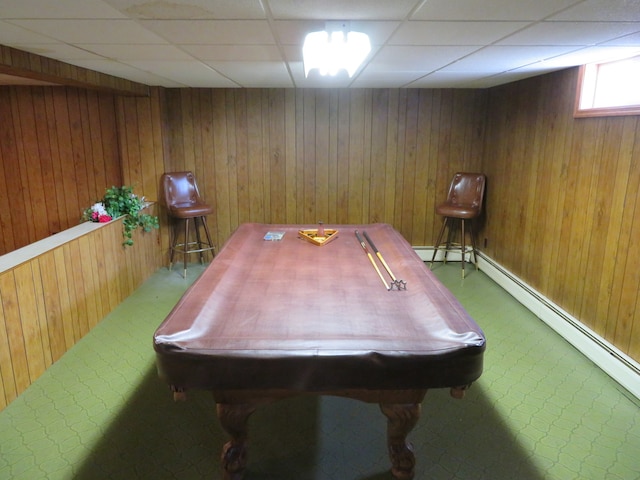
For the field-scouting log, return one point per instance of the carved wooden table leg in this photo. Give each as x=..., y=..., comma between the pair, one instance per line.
x=233, y=419
x=401, y=420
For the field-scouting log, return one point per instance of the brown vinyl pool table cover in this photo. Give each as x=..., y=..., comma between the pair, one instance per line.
x=292, y=315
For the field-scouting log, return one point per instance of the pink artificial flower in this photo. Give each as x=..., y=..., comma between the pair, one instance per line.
x=104, y=218
x=95, y=216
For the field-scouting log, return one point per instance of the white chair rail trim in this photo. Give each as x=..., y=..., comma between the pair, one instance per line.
x=35, y=249
x=21, y=255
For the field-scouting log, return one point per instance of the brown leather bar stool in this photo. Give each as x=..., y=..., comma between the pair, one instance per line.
x=463, y=204
x=184, y=203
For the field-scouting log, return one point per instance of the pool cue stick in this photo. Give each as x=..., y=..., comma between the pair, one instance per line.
x=373, y=262
x=379, y=255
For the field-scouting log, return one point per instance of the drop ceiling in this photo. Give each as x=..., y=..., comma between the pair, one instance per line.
x=258, y=43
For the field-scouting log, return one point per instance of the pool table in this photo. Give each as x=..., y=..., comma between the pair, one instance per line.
x=269, y=319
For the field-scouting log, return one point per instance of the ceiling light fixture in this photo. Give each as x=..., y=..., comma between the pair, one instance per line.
x=335, y=48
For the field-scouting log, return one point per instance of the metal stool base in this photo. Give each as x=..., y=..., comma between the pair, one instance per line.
x=185, y=248
x=450, y=246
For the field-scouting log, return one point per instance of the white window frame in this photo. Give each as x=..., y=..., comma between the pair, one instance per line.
x=587, y=87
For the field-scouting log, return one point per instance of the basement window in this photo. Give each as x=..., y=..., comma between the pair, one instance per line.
x=609, y=89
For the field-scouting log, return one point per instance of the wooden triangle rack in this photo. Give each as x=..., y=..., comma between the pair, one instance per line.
x=312, y=235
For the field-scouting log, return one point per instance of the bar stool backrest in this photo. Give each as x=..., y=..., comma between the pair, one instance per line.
x=467, y=189
x=180, y=190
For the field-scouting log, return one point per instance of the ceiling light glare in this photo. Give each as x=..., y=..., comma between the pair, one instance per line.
x=333, y=51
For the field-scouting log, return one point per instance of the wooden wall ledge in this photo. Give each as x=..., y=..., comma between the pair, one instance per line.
x=35, y=249
x=29, y=65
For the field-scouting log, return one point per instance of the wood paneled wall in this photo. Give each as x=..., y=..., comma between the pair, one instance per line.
x=58, y=153
x=563, y=198
x=59, y=149
x=50, y=302
x=141, y=137
x=562, y=193
x=337, y=156
x=30, y=65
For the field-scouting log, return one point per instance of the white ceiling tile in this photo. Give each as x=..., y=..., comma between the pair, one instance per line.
x=453, y=33
x=445, y=80
x=293, y=32
x=532, y=10
x=62, y=9
x=504, y=58
x=15, y=35
x=602, y=11
x=137, y=52
x=170, y=42
x=420, y=59
x=255, y=74
x=192, y=73
x=91, y=31
x=126, y=71
x=230, y=53
x=590, y=55
x=60, y=51
x=371, y=78
x=516, y=75
x=495, y=80
x=293, y=53
x=342, y=10
x=190, y=9
x=566, y=33
x=212, y=32
x=627, y=40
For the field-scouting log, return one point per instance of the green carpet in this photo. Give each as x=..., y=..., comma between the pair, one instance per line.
x=541, y=410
